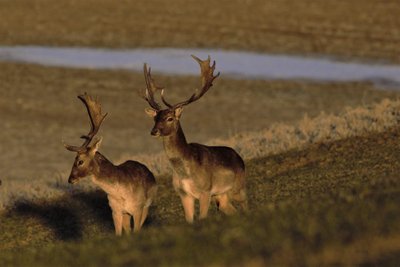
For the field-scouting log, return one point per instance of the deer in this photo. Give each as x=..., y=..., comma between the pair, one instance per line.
x=130, y=186
x=200, y=172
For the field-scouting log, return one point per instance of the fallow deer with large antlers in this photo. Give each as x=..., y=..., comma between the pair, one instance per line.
x=199, y=171
x=130, y=187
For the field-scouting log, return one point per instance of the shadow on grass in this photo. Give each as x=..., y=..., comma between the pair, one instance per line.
x=71, y=215
x=63, y=221
x=95, y=205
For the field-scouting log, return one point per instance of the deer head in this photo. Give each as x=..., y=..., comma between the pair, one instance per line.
x=84, y=160
x=167, y=120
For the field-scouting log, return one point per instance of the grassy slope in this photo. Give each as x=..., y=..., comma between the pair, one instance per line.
x=281, y=137
x=39, y=108
x=330, y=203
x=354, y=28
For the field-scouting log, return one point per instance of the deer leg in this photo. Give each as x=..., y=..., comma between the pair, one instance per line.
x=216, y=200
x=245, y=205
x=126, y=223
x=116, y=214
x=241, y=197
x=151, y=196
x=117, y=218
x=205, y=199
x=225, y=205
x=144, y=214
x=188, y=206
x=137, y=219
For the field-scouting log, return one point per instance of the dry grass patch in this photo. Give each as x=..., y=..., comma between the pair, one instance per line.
x=281, y=137
x=331, y=203
x=39, y=109
x=354, y=28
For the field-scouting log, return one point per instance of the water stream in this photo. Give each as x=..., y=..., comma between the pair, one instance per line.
x=235, y=64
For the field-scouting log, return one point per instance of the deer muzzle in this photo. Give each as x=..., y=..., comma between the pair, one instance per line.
x=72, y=179
x=155, y=132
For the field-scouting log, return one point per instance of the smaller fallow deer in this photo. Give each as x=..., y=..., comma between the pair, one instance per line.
x=199, y=171
x=130, y=187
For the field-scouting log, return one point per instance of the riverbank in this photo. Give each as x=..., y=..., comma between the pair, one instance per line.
x=309, y=27
x=232, y=64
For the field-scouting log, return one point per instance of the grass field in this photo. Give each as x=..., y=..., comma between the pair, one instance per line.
x=332, y=203
x=321, y=158
x=40, y=109
x=355, y=28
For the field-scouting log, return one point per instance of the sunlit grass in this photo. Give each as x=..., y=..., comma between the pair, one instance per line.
x=39, y=110
x=280, y=137
x=330, y=203
x=322, y=159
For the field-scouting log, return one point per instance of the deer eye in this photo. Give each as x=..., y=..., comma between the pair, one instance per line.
x=80, y=162
x=170, y=119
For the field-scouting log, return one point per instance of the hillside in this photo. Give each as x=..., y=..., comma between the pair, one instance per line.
x=331, y=203
x=322, y=158
x=39, y=110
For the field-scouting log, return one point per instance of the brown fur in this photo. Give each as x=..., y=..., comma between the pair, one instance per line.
x=130, y=187
x=199, y=171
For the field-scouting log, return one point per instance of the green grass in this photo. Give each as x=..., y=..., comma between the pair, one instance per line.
x=39, y=109
x=354, y=28
x=326, y=203
x=331, y=203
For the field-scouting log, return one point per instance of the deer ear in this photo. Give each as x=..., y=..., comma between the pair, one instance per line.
x=178, y=112
x=151, y=112
x=93, y=149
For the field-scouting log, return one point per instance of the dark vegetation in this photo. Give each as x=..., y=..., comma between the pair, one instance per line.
x=332, y=203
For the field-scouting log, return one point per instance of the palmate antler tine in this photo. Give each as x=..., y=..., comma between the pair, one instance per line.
x=207, y=78
x=96, y=117
x=151, y=88
x=93, y=108
x=207, y=74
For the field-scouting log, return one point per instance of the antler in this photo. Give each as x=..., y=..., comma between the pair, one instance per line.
x=151, y=88
x=96, y=118
x=207, y=78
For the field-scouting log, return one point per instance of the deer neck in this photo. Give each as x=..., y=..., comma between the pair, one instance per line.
x=175, y=145
x=103, y=171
